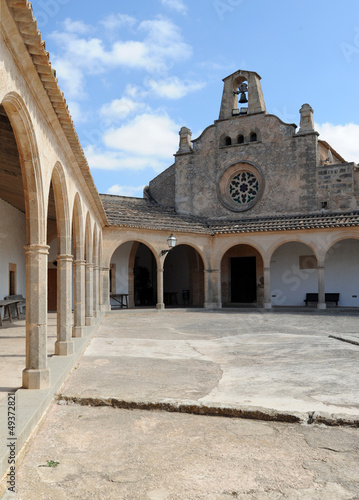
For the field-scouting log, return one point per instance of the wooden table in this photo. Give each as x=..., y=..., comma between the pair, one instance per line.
x=6, y=305
x=121, y=299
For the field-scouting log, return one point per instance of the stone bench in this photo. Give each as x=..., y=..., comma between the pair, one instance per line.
x=21, y=302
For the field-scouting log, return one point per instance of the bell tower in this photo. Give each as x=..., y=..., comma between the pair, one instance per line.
x=239, y=84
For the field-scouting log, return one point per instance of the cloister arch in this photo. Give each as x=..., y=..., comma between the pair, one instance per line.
x=59, y=217
x=26, y=194
x=293, y=273
x=78, y=329
x=133, y=271
x=341, y=271
x=183, y=279
x=242, y=276
x=89, y=270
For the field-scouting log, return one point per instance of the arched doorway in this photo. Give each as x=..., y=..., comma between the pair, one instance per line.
x=342, y=272
x=183, y=279
x=242, y=277
x=294, y=273
x=133, y=274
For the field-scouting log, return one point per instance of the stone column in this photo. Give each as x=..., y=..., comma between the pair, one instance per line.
x=267, y=291
x=95, y=291
x=321, y=288
x=89, y=295
x=131, y=288
x=36, y=374
x=212, y=289
x=106, y=289
x=78, y=329
x=64, y=345
x=160, y=304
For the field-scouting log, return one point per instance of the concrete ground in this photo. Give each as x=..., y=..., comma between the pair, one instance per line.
x=275, y=366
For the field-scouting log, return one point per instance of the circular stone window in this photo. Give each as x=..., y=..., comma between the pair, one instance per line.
x=240, y=187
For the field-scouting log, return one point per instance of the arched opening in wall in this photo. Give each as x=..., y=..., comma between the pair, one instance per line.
x=133, y=276
x=242, y=277
x=253, y=137
x=227, y=141
x=183, y=279
x=341, y=268
x=13, y=230
x=53, y=252
x=240, y=139
x=293, y=274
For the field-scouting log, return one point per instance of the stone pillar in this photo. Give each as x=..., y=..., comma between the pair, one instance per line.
x=321, y=288
x=131, y=288
x=36, y=374
x=78, y=329
x=160, y=303
x=106, y=289
x=306, y=119
x=267, y=291
x=64, y=346
x=89, y=295
x=212, y=289
x=100, y=289
x=95, y=291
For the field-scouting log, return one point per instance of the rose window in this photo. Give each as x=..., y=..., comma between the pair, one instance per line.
x=243, y=188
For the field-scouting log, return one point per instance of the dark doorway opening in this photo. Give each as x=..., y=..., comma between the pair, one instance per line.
x=243, y=280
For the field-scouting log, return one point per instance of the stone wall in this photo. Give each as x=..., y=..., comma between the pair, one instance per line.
x=162, y=187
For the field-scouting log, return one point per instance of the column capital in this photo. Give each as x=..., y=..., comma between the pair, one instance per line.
x=63, y=257
x=105, y=269
x=96, y=268
x=41, y=249
x=160, y=270
x=88, y=264
x=79, y=262
x=212, y=271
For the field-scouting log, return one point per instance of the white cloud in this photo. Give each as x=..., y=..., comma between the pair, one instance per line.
x=120, y=108
x=146, y=142
x=177, y=5
x=149, y=135
x=126, y=190
x=78, y=27
x=174, y=87
x=343, y=138
x=115, y=21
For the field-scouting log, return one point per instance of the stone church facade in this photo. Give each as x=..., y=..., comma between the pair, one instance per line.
x=262, y=213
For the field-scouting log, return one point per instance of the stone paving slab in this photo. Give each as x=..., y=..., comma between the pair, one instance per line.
x=106, y=453
x=287, y=362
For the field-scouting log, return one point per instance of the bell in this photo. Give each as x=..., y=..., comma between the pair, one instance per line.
x=243, y=99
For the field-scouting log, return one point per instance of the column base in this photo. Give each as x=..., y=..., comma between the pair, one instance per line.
x=90, y=321
x=212, y=305
x=78, y=331
x=321, y=305
x=64, y=348
x=160, y=307
x=267, y=305
x=36, y=379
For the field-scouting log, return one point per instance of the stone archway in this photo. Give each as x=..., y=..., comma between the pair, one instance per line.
x=183, y=279
x=133, y=272
x=242, y=277
x=294, y=273
x=341, y=268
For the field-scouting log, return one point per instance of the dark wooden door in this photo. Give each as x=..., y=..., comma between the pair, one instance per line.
x=243, y=280
x=52, y=290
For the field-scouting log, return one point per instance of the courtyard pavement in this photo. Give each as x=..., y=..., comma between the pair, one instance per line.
x=111, y=441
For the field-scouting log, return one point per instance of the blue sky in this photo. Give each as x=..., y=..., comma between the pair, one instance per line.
x=134, y=73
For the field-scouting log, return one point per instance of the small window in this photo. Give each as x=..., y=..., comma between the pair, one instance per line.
x=227, y=141
x=240, y=139
x=253, y=137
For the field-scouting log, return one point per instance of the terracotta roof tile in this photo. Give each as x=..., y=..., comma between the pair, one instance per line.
x=141, y=213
